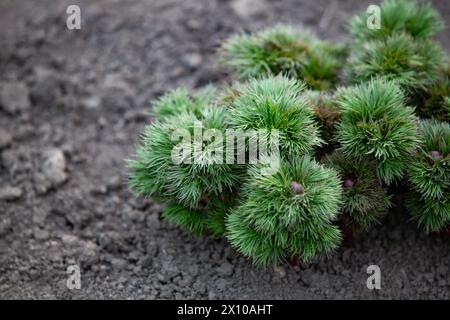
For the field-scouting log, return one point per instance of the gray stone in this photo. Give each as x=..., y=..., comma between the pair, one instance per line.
x=429, y=277
x=280, y=271
x=220, y=285
x=153, y=221
x=9, y=193
x=54, y=167
x=114, y=183
x=139, y=203
x=199, y=287
x=39, y=216
x=307, y=276
x=89, y=252
x=145, y=261
x=122, y=279
x=247, y=8
x=152, y=249
x=14, y=97
x=5, y=139
x=92, y=102
x=118, y=263
x=192, y=269
x=193, y=60
x=225, y=269
x=161, y=278
x=69, y=239
x=98, y=190
x=47, y=90
x=41, y=234
x=112, y=241
x=5, y=225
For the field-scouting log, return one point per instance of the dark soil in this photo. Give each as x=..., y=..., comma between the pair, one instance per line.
x=72, y=104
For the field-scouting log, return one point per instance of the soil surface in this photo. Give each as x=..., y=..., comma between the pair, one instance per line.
x=72, y=105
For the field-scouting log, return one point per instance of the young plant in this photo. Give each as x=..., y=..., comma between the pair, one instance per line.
x=365, y=135
x=376, y=124
x=431, y=215
x=416, y=19
x=415, y=65
x=364, y=199
x=288, y=214
x=435, y=102
x=286, y=50
x=272, y=105
x=180, y=100
x=327, y=115
x=429, y=176
x=173, y=164
x=209, y=217
x=447, y=106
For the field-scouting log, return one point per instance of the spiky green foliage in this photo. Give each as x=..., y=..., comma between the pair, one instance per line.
x=435, y=102
x=364, y=199
x=429, y=176
x=284, y=49
x=429, y=173
x=155, y=173
x=209, y=217
x=369, y=132
x=447, y=106
x=326, y=114
x=180, y=100
x=287, y=214
x=415, y=65
x=431, y=215
x=217, y=210
x=191, y=220
x=417, y=19
x=275, y=104
x=376, y=124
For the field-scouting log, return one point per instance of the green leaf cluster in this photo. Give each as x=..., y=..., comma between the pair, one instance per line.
x=365, y=201
x=429, y=177
x=284, y=49
x=376, y=124
x=288, y=214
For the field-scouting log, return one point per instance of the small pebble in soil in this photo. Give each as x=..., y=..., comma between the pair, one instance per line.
x=280, y=271
x=153, y=222
x=5, y=225
x=9, y=193
x=247, y=8
x=225, y=269
x=54, y=166
x=91, y=103
x=192, y=60
x=14, y=97
x=39, y=216
x=40, y=234
x=5, y=139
